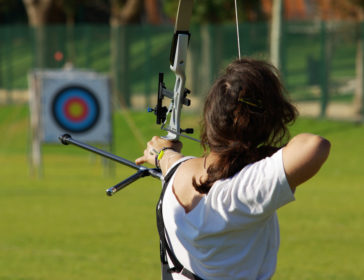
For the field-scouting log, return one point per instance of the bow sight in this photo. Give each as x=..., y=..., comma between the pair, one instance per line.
x=161, y=111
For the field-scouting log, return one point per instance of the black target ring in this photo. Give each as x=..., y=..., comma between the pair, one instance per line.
x=75, y=109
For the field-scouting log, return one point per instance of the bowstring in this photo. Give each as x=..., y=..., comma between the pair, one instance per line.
x=237, y=26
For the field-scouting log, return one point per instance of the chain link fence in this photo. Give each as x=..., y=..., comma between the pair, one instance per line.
x=318, y=58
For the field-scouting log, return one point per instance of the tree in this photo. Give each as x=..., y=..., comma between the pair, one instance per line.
x=12, y=11
x=69, y=8
x=358, y=11
x=37, y=11
x=122, y=13
x=354, y=10
x=153, y=12
x=39, y=14
x=218, y=11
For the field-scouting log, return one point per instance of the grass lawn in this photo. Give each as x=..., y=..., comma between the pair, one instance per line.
x=63, y=226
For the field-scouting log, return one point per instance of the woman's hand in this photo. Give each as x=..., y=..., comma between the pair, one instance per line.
x=154, y=146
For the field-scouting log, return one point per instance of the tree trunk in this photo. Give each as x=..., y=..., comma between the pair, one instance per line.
x=206, y=58
x=37, y=17
x=121, y=15
x=128, y=13
x=358, y=96
x=327, y=51
x=37, y=11
x=153, y=11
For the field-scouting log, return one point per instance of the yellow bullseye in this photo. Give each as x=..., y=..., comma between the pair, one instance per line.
x=76, y=109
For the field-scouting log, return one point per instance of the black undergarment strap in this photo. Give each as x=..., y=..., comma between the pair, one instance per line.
x=164, y=246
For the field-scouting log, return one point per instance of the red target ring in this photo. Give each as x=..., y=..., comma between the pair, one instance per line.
x=76, y=109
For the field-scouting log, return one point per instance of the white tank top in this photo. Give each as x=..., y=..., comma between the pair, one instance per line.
x=233, y=232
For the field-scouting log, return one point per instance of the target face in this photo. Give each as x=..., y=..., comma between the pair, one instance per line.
x=75, y=109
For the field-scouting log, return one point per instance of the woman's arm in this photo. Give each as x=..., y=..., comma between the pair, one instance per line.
x=170, y=156
x=303, y=157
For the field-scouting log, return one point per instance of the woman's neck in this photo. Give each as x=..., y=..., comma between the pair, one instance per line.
x=210, y=159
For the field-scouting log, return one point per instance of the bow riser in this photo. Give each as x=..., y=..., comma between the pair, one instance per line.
x=179, y=68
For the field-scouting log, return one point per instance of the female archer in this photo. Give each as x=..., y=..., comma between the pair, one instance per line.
x=219, y=210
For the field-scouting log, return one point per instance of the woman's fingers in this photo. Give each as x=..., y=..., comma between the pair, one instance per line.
x=140, y=160
x=154, y=146
x=149, y=155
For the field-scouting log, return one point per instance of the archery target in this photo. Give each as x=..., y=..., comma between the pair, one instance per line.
x=75, y=109
x=75, y=102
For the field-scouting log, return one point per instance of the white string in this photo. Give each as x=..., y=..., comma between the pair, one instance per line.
x=237, y=26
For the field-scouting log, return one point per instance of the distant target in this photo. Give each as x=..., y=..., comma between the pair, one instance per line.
x=75, y=109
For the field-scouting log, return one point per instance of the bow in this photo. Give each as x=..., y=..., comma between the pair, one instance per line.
x=178, y=57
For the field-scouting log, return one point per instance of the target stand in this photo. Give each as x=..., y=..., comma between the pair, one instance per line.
x=69, y=101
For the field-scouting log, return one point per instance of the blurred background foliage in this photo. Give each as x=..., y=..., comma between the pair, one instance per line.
x=318, y=43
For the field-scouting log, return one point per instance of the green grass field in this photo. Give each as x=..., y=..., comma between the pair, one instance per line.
x=63, y=226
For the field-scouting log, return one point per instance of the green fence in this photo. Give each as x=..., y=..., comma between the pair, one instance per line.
x=318, y=61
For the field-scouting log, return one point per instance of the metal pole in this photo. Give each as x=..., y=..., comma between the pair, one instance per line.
x=276, y=34
x=142, y=170
x=67, y=139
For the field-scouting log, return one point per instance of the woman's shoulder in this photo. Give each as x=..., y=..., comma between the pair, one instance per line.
x=183, y=188
x=253, y=174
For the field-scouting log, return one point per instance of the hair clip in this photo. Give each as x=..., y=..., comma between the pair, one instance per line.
x=256, y=105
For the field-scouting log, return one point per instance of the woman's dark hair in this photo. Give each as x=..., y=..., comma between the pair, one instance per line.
x=245, y=118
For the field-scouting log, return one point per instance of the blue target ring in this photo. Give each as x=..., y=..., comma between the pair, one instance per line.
x=75, y=109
